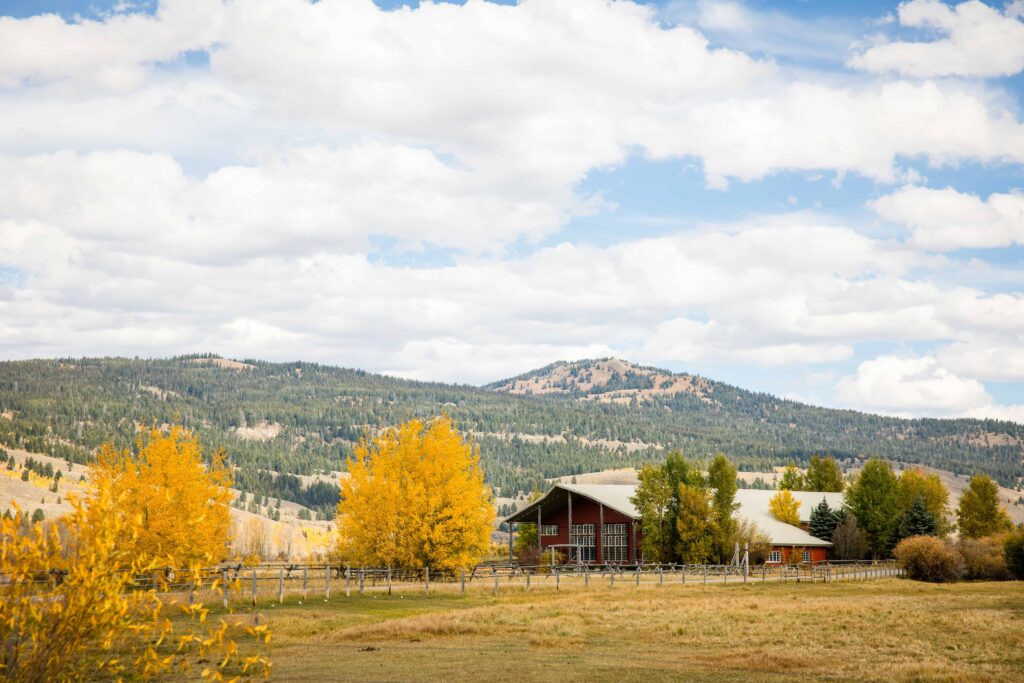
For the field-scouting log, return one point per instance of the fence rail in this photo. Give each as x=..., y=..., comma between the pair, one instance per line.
x=275, y=582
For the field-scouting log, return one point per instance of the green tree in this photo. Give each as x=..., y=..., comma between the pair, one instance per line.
x=823, y=475
x=823, y=521
x=913, y=483
x=980, y=513
x=655, y=501
x=38, y=516
x=792, y=479
x=695, y=525
x=722, y=482
x=1013, y=552
x=917, y=520
x=872, y=500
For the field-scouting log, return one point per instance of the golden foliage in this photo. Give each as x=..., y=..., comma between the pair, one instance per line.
x=415, y=497
x=914, y=482
x=785, y=508
x=71, y=608
x=176, y=507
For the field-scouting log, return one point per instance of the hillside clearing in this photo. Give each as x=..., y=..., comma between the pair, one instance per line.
x=889, y=630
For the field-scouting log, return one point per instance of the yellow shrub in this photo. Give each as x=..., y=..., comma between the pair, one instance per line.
x=69, y=609
x=926, y=558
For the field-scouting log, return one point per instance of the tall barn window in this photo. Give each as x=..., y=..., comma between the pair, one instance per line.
x=548, y=529
x=807, y=556
x=775, y=556
x=614, y=542
x=582, y=536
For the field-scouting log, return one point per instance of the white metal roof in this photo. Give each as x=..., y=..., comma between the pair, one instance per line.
x=753, y=505
x=755, y=500
x=614, y=496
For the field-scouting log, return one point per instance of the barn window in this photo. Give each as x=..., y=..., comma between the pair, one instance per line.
x=548, y=529
x=582, y=536
x=775, y=556
x=807, y=556
x=614, y=538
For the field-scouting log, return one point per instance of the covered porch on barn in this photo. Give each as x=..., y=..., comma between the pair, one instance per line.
x=587, y=524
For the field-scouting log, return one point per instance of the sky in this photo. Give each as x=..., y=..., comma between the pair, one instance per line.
x=820, y=200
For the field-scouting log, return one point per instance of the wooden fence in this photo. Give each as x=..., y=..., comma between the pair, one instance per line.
x=276, y=582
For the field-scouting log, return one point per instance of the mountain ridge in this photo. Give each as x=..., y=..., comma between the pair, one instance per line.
x=566, y=418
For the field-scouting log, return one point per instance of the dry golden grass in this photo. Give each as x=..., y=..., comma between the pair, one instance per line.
x=890, y=630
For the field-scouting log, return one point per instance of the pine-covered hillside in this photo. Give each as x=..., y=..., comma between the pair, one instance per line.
x=283, y=419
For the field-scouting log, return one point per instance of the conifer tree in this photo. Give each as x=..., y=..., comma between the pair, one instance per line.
x=823, y=521
x=918, y=520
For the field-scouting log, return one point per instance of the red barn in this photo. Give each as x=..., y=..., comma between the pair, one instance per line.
x=598, y=523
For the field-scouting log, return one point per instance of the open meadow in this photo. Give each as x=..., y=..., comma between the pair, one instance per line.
x=885, y=630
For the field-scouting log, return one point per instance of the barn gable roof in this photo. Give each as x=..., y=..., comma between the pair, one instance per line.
x=612, y=496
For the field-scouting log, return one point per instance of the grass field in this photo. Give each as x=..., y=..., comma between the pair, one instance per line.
x=887, y=630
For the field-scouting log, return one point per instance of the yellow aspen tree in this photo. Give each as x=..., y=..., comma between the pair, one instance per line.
x=415, y=497
x=785, y=508
x=178, y=506
x=70, y=609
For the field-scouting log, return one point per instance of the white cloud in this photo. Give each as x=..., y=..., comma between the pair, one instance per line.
x=979, y=41
x=911, y=386
x=998, y=359
x=115, y=53
x=534, y=96
x=945, y=219
x=295, y=202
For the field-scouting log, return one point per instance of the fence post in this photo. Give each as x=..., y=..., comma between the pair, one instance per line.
x=389, y=580
x=462, y=580
x=527, y=580
x=280, y=586
x=661, y=576
x=586, y=577
x=638, y=570
x=254, y=586
x=224, y=585
x=495, y=583
x=558, y=576
x=327, y=582
x=705, y=575
x=305, y=581
x=348, y=581
x=362, y=578
x=611, y=573
x=428, y=577
x=683, y=580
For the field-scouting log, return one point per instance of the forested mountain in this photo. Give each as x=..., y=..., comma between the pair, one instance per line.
x=303, y=418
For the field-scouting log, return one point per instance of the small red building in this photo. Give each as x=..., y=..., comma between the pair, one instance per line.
x=598, y=523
